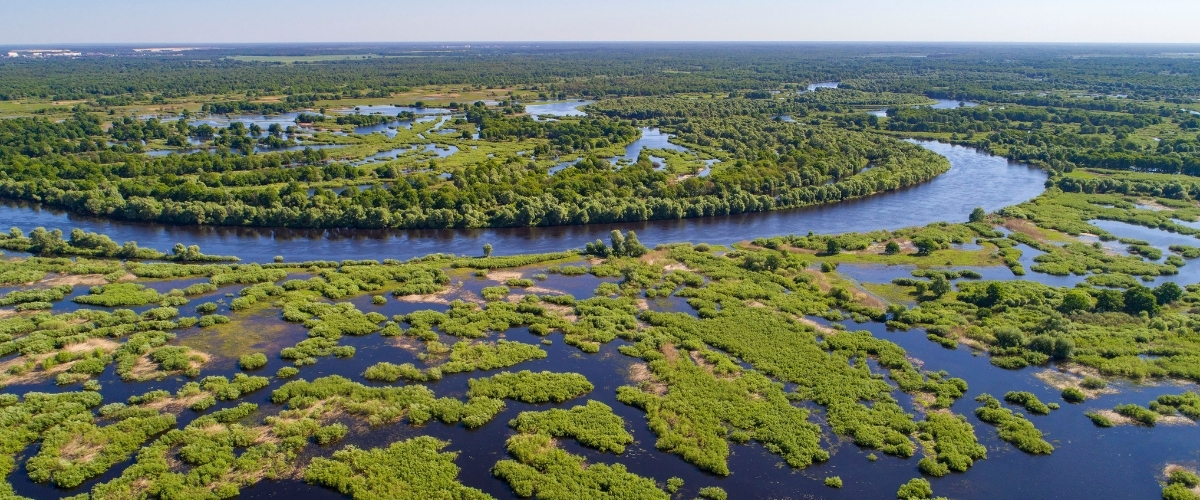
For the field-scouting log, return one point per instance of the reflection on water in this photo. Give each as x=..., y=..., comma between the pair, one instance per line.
x=388, y=109
x=564, y=108
x=952, y=104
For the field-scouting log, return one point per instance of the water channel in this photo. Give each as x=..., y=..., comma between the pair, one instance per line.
x=974, y=179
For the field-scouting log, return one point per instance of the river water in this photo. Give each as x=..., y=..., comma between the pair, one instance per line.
x=974, y=179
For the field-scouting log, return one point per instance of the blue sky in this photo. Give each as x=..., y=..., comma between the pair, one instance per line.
x=176, y=21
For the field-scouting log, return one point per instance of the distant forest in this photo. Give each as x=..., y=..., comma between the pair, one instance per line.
x=977, y=71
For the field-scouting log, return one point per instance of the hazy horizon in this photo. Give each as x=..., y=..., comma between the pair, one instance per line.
x=173, y=22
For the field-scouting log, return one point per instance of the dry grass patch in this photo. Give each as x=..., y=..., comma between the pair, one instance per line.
x=1069, y=375
x=76, y=280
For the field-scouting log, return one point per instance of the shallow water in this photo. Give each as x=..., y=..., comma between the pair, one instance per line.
x=1098, y=462
x=388, y=109
x=563, y=108
x=652, y=138
x=952, y=104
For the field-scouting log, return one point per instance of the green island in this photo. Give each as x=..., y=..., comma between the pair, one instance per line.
x=715, y=338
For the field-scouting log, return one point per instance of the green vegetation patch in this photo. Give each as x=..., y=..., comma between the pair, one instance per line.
x=531, y=387
x=1012, y=427
x=594, y=425
x=541, y=469
x=413, y=469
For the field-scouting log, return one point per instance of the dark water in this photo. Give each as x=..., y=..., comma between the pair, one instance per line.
x=975, y=179
x=1088, y=462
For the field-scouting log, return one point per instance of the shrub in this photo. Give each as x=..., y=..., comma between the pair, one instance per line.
x=594, y=425
x=287, y=372
x=1098, y=419
x=1093, y=383
x=1027, y=400
x=378, y=300
x=543, y=470
x=253, y=361
x=1137, y=413
x=1184, y=477
x=330, y=433
x=494, y=293
x=673, y=484
x=713, y=493
x=833, y=482
x=916, y=488
x=1012, y=427
x=416, y=467
x=530, y=387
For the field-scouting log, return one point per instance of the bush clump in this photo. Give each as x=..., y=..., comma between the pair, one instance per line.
x=1137, y=413
x=530, y=387
x=417, y=467
x=1012, y=427
x=1027, y=400
x=594, y=425
x=915, y=489
x=1098, y=419
x=253, y=361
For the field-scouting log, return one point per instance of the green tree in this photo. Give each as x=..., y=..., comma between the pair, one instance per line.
x=925, y=246
x=978, y=215
x=833, y=246
x=1167, y=293
x=633, y=247
x=487, y=250
x=618, y=242
x=1076, y=300
x=1139, y=299
x=892, y=248
x=1109, y=300
x=940, y=285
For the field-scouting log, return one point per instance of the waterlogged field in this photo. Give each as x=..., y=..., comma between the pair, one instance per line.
x=938, y=357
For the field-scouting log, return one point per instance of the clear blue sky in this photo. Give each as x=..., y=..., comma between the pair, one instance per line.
x=178, y=21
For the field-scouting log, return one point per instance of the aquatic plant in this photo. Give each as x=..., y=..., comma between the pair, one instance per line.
x=915, y=489
x=253, y=361
x=540, y=468
x=413, y=469
x=531, y=387
x=594, y=425
x=1012, y=427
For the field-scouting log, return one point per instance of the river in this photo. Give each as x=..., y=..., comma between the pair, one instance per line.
x=974, y=179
